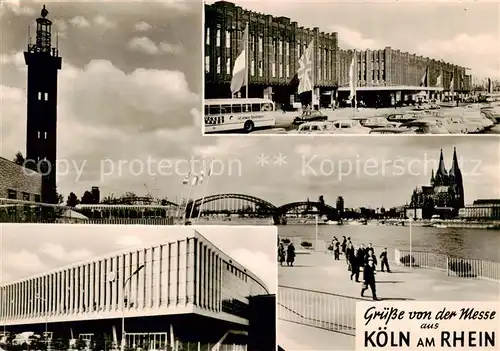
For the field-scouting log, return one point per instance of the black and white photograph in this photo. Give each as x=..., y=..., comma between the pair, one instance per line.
x=138, y=288
x=136, y=213
x=351, y=67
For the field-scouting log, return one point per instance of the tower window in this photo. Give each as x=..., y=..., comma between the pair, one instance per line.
x=39, y=95
x=38, y=134
x=46, y=96
x=45, y=135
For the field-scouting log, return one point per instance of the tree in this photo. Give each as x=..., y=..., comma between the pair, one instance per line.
x=60, y=344
x=80, y=344
x=19, y=159
x=110, y=199
x=60, y=198
x=72, y=200
x=87, y=198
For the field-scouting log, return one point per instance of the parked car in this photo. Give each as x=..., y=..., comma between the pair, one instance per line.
x=396, y=131
x=433, y=105
x=379, y=122
x=315, y=128
x=426, y=126
x=310, y=116
x=349, y=126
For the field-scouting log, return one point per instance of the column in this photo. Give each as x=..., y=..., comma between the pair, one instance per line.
x=112, y=284
x=102, y=284
x=316, y=97
x=81, y=288
x=144, y=277
x=52, y=293
x=165, y=274
x=147, y=278
x=159, y=278
x=91, y=286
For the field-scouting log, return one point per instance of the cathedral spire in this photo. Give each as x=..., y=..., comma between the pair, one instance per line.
x=455, y=168
x=441, y=172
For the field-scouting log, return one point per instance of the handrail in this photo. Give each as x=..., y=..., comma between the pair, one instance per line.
x=320, y=292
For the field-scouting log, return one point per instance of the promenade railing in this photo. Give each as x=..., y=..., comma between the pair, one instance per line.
x=454, y=266
x=19, y=211
x=317, y=309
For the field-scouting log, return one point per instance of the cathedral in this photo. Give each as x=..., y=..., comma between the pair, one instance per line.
x=444, y=196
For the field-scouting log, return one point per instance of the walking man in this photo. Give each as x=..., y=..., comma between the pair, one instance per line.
x=369, y=279
x=384, y=261
x=290, y=255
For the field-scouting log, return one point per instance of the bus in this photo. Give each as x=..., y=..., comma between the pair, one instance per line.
x=238, y=114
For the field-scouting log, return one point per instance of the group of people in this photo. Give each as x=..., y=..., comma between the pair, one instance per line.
x=361, y=257
x=286, y=253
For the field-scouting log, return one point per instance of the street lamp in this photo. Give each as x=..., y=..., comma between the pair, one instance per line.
x=123, y=303
x=46, y=319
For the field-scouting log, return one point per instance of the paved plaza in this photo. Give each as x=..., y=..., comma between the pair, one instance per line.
x=318, y=271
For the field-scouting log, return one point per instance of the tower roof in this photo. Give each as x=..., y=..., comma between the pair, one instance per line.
x=441, y=168
x=455, y=168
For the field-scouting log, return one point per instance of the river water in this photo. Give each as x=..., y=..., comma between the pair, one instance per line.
x=466, y=243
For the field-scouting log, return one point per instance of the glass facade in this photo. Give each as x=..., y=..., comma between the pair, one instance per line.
x=189, y=272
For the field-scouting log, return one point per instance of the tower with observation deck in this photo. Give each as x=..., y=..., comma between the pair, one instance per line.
x=43, y=63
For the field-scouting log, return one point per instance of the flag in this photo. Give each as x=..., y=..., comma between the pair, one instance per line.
x=185, y=181
x=439, y=80
x=304, y=73
x=240, y=78
x=200, y=178
x=423, y=82
x=352, y=78
x=194, y=180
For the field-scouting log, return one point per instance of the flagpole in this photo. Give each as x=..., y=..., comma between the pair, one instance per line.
x=185, y=206
x=177, y=214
x=354, y=83
x=313, y=74
x=204, y=192
x=197, y=185
x=247, y=30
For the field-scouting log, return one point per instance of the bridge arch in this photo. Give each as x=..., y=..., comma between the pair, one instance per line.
x=308, y=207
x=264, y=207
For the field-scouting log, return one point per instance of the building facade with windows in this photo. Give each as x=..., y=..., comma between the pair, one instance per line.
x=277, y=43
x=390, y=74
x=482, y=209
x=275, y=46
x=19, y=183
x=164, y=288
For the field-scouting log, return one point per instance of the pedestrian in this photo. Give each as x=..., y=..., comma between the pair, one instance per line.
x=336, y=250
x=355, y=264
x=384, y=261
x=349, y=256
x=369, y=279
x=344, y=244
x=371, y=256
x=281, y=254
x=290, y=255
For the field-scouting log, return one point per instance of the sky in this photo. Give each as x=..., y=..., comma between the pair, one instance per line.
x=465, y=33
x=28, y=249
x=128, y=119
